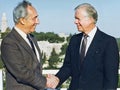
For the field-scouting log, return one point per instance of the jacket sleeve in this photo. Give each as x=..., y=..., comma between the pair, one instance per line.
x=65, y=71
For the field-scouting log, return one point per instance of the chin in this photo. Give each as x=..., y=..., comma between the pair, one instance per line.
x=80, y=30
x=32, y=31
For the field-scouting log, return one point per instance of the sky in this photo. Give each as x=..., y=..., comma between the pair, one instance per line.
x=58, y=15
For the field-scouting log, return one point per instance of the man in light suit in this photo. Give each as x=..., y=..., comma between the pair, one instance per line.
x=21, y=54
x=98, y=69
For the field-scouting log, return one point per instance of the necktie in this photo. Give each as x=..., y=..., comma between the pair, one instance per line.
x=83, y=47
x=31, y=43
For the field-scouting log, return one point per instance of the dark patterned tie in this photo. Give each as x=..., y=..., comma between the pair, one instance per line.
x=31, y=43
x=83, y=47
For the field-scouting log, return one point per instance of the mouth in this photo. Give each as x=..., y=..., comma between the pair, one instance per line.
x=34, y=26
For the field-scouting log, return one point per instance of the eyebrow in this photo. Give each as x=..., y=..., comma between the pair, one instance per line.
x=35, y=16
x=77, y=18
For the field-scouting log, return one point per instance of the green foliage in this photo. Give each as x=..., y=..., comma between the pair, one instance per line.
x=118, y=42
x=49, y=36
x=4, y=85
x=66, y=83
x=5, y=33
x=44, y=58
x=1, y=63
x=8, y=29
x=63, y=49
x=53, y=60
x=119, y=82
x=68, y=38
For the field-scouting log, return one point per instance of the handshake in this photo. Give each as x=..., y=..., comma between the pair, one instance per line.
x=52, y=81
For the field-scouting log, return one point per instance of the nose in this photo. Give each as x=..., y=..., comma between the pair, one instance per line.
x=76, y=21
x=37, y=21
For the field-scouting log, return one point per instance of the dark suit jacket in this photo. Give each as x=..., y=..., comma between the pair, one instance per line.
x=23, y=70
x=98, y=71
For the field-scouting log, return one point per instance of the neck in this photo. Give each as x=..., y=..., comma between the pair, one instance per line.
x=21, y=27
x=86, y=31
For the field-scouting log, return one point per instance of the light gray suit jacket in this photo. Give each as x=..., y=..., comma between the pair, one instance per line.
x=23, y=70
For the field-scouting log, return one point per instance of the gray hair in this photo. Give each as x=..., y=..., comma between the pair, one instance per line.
x=91, y=11
x=20, y=11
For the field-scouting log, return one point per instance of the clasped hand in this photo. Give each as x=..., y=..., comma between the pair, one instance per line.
x=52, y=81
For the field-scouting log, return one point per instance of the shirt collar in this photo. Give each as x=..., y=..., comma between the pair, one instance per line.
x=20, y=32
x=92, y=33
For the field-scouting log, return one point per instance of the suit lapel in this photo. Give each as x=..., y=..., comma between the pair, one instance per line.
x=23, y=43
x=94, y=45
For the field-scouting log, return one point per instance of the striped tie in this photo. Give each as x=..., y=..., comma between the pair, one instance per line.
x=83, y=47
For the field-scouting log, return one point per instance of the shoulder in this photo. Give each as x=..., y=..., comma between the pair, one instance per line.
x=76, y=36
x=75, y=39
x=10, y=37
x=105, y=37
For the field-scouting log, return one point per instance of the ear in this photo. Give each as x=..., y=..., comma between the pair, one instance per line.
x=22, y=21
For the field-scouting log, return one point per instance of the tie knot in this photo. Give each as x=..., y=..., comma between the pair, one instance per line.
x=28, y=36
x=85, y=35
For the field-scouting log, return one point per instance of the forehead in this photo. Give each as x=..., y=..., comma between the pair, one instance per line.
x=81, y=12
x=31, y=10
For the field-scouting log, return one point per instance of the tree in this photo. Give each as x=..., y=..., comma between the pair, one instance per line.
x=44, y=58
x=63, y=49
x=118, y=42
x=5, y=33
x=68, y=38
x=53, y=60
x=49, y=36
x=1, y=63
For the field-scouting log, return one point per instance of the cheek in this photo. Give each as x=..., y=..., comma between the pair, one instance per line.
x=81, y=24
x=32, y=29
x=85, y=24
x=31, y=22
x=78, y=23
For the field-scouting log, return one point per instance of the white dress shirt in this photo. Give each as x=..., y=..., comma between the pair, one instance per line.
x=89, y=38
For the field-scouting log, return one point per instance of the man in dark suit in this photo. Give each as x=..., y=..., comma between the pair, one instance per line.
x=92, y=56
x=20, y=51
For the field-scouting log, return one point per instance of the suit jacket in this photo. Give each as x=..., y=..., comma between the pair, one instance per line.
x=23, y=70
x=98, y=71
